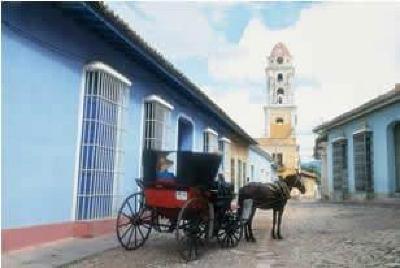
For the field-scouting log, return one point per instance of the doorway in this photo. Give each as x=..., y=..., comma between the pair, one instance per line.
x=185, y=134
x=396, y=132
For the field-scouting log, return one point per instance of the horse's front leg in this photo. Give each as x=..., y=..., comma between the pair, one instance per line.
x=280, y=213
x=273, y=223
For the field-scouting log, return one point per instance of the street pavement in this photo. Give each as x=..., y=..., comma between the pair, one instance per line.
x=315, y=235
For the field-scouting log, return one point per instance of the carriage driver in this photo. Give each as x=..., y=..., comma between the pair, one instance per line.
x=163, y=164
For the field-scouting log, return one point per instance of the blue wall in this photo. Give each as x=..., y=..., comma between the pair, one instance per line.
x=43, y=56
x=380, y=123
x=263, y=171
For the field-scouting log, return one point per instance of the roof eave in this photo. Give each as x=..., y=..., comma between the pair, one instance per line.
x=375, y=104
x=99, y=10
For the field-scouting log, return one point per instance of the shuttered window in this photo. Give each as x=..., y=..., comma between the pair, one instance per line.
x=340, y=165
x=101, y=152
x=362, y=150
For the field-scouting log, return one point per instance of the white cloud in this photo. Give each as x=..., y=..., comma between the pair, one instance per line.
x=349, y=50
x=179, y=31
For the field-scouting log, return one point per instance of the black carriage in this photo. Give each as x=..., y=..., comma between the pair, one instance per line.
x=185, y=199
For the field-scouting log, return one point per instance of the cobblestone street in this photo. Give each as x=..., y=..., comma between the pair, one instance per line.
x=315, y=235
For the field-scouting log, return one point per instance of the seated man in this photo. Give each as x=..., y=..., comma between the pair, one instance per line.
x=163, y=164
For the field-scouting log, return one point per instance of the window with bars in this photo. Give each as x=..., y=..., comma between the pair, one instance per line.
x=157, y=126
x=362, y=150
x=101, y=154
x=210, y=141
x=244, y=172
x=224, y=150
x=240, y=173
x=233, y=171
x=206, y=142
x=340, y=165
x=221, y=150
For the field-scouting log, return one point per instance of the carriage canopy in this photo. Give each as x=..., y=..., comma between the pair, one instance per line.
x=184, y=167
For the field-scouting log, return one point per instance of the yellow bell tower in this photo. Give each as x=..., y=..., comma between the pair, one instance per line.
x=280, y=110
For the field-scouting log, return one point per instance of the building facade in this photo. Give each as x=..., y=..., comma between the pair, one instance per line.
x=360, y=151
x=261, y=166
x=280, y=110
x=82, y=95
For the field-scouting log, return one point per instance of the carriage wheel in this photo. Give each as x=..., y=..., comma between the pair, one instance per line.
x=192, y=229
x=133, y=222
x=230, y=231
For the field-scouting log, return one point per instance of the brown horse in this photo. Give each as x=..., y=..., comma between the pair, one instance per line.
x=269, y=196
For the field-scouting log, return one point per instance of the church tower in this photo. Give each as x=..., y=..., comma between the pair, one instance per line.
x=280, y=110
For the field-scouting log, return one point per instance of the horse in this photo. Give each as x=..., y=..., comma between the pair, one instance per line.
x=269, y=196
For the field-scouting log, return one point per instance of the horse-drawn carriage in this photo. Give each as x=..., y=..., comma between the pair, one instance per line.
x=184, y=199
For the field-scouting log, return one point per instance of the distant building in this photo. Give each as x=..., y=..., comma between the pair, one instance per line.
x=261, y=166
x=360, y=150
x=310, y=183
x=280, y=110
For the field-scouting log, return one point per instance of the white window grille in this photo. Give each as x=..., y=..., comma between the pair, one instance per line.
x=210, y=141
x=157, y=124
x=221, y=150
x=224, y=150
x=100, y=160
x=240, y=174
x=244, y=172
x=233, y=175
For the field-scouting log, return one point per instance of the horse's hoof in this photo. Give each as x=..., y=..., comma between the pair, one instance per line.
x=280, y=237
x=253, y=240
x=273, y=235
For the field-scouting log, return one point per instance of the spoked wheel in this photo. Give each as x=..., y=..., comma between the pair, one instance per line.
x=230, y=231
x=192, y=228
x=133, y=222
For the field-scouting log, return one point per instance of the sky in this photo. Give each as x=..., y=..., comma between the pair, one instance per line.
x=344, y=53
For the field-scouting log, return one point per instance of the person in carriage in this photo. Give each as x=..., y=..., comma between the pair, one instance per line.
x=163, y=167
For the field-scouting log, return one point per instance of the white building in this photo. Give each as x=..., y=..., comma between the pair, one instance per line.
x=261, y=166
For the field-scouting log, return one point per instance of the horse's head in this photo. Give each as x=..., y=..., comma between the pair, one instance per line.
x=294, y=180
x=299, y=184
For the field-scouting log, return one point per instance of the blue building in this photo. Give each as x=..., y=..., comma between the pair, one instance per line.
x=82, y=95
x=360, y=151
x=261, y=166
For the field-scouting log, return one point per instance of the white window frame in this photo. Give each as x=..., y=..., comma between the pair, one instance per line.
x=210, y=141
x=163, y=141
x=225, y=167
x=111, y=91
